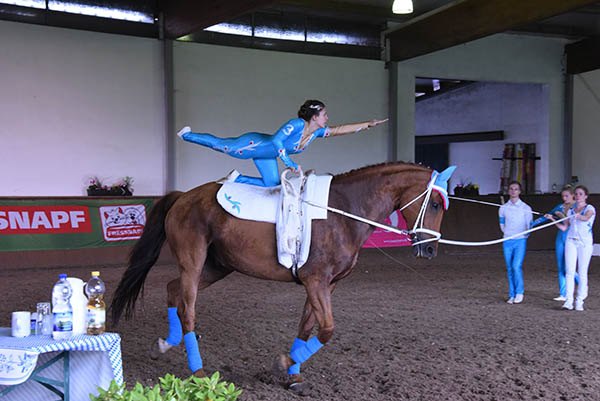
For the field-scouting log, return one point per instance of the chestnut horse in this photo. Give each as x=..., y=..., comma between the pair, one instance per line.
x=208, y=243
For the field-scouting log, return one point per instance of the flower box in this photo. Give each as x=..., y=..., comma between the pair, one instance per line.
x=122, y=188
x=120, y=191
x=466, y=191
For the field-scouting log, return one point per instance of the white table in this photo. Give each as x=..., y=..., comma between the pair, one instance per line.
x=40, y=368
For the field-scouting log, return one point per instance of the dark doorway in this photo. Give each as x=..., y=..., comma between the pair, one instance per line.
x=432, y=155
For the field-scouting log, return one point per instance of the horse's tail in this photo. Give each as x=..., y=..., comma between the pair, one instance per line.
x=141, y=259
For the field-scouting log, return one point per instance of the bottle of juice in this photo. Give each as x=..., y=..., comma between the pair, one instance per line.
x=96, y=308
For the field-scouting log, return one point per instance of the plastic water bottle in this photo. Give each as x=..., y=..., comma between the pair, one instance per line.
x=96, y=308
x=62, y=312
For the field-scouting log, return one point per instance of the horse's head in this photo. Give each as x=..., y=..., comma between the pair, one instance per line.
x=429, y=197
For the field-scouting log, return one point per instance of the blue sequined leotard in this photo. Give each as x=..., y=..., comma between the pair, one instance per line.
x=262, y=148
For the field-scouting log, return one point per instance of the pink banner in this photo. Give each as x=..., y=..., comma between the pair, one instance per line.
x=382, y=238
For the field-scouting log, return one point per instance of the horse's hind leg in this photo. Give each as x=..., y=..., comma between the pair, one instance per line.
x=175, y=336
x=189, y=276
x=181, y=298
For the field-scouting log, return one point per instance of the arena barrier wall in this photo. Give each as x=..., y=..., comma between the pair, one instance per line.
x=71, y=231
x=464, y=221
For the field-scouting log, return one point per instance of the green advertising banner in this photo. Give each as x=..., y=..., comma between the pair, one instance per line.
x=43, y=224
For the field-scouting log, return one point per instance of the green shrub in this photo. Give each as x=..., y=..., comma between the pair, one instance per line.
x=172, y=388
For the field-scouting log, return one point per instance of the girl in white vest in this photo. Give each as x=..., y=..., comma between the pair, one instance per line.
x=578, y=247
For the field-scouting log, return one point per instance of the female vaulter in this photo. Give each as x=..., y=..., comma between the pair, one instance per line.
x=293, y=137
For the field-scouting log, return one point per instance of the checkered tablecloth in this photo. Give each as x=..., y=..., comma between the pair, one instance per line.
x=18, y=359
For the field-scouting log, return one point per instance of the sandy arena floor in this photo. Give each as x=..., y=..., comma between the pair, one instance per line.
x=406, y=329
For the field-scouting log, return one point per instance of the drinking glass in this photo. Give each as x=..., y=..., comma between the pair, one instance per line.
x=44, y=319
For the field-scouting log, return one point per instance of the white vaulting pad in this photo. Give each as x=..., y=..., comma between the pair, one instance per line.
x=317, y=191
x=251, y=202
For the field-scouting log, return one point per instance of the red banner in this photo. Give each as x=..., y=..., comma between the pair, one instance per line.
x=382, y=238
x=56, y=219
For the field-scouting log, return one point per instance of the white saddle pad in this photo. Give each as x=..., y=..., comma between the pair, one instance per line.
x=251, y=202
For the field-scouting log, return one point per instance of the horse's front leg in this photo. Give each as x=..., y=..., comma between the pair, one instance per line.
x=316, y=309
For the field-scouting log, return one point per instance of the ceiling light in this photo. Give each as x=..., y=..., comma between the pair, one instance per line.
x=402, y=7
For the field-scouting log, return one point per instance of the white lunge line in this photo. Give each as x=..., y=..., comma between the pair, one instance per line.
x=483, y=243
x=435, y=235
x=484, y=203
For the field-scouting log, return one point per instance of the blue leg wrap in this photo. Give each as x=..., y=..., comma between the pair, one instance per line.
x=295, y=369
x=175, y=330
x=191, y=346
x=304, y=352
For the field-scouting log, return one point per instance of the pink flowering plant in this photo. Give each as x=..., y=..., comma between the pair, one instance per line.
x=123, y=187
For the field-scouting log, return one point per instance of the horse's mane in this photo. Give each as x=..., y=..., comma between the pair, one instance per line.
x=378, y=169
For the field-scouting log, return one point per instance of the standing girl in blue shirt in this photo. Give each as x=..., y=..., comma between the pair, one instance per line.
x=560, y=211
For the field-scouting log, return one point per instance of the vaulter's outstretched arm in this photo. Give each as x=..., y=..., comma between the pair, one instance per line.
x=352, y=128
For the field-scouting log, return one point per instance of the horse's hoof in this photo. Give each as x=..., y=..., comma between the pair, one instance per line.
x=200, y=373
x=281, y=365
x=300, y=388
x=159, y=347
x=154, y=352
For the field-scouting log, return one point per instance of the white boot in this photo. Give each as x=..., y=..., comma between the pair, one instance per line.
x=183, y=131
x=231, y=177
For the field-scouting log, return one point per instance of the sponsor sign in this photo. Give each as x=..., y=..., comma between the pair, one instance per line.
x=42, y=224
x=44, y=219
x=122, y=222
x=383, y=239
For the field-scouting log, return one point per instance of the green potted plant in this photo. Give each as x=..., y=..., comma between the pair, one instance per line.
x=172, y=388
x=123, y=187
x=469, y=189
x=96, y=188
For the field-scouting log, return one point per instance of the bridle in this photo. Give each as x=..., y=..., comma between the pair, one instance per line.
x=417, y=227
